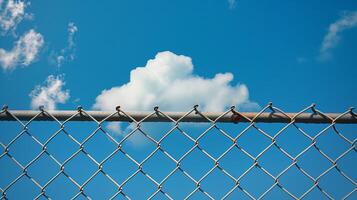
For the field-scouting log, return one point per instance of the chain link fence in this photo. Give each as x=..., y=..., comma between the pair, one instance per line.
x=270, y=154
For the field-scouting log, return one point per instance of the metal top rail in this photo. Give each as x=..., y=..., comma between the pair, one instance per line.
x=275, y=116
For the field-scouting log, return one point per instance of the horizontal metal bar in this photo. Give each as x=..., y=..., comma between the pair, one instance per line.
x=274, y=117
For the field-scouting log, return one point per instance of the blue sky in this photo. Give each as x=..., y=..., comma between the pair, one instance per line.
x=291, y=53
x=272, y=47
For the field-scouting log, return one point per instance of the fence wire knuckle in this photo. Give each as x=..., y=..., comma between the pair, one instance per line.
x=232, y=126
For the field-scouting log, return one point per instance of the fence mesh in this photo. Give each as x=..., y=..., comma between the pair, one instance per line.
x=67, y=159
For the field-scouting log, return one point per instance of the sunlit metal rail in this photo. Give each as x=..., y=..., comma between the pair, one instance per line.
x=234, y=116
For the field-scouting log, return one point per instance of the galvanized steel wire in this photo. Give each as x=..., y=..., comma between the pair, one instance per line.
x=268, y=114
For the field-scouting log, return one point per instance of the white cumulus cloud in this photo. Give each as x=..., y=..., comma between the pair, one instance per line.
x=12, y=13
x=67, y=53
x=168, y=81
x=50, y=94
x=331, y=39
x=24, y=52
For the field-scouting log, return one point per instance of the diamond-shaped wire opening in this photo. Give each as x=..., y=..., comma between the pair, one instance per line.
x=80, y=130
x=295, y=181
x=137, y=150
x=235, y=162
x=29, y=190
x=335, y=184
x=159, y=166
x=100, y=187
x=9, y=171
x=347, y=131
x=235, y=129
x=140, y=133
x=169, y=144
x=293, y=141
x=274, y=161
x=24, y=149
x=36, y=169
x=311, y=129
x=9, y=130
x=67, y=188
x=118, y=130
x=139, y=187
x=214, y=183
x=100, y=146
x=156, y=130
x=256, y=182
x=313, y=162
x=230, y=129
x=119, y=167
x=215, y=142
x=80, y=167
x=253, y=141
x=329, y=137
x=178, y=185
x=36, y=128
x=348, y=164
x=61, y=146
x=273, y=128
x=196, y=164
x=194, y=130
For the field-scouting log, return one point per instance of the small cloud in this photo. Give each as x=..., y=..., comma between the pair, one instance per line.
x=332, y=38
x=11, y=14
x=50, y=94
x=67, y=53
x=72, y=29
x=24, y=52
x=232, y=4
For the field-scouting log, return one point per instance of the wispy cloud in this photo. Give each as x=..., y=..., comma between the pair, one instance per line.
x=24, y=52
x=11, y=14
x=232, y=4
x=331, y=39
x=50, y=94
x=72, y=29
x=67, y=53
